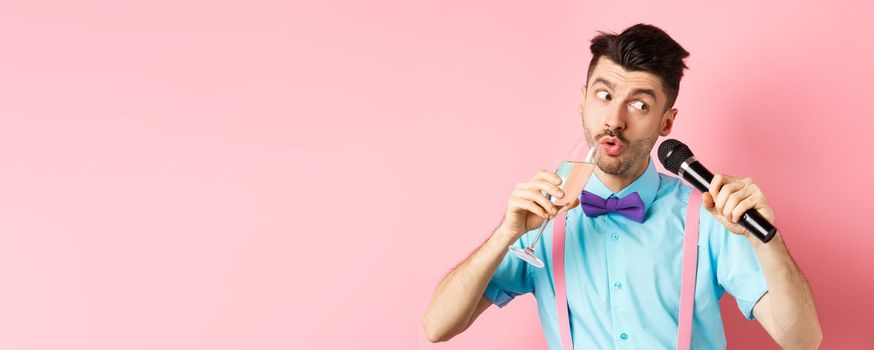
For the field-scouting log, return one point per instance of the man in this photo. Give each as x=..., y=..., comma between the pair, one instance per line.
x=623, y=276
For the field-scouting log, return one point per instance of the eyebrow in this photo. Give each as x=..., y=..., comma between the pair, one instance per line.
x=634, y=92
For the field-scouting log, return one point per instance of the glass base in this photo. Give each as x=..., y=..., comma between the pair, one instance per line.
x=527, y=254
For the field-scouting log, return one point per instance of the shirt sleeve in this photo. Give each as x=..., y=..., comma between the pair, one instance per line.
x=511, y=279
x=738, y=270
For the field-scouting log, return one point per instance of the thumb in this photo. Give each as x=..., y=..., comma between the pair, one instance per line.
x=707, y=200
x=573, y=204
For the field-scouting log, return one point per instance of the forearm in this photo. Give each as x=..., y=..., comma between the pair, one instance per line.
x=792, y=305
x=458, y=294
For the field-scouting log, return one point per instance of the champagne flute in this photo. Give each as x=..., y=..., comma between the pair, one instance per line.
x=574, y=176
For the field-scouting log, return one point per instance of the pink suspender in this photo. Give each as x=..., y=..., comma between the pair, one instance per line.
x=690, y=267
x=564, y=324
x=687, y=286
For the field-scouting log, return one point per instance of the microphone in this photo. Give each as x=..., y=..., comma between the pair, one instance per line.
x=677, y=158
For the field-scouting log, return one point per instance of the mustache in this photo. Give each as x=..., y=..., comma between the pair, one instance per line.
x=611, y=133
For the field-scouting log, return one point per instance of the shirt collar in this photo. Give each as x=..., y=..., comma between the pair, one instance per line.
x=646, y=185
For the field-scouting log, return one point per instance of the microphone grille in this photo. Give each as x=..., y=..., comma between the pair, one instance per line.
x=672, y=153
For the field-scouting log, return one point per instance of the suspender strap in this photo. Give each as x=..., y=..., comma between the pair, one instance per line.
x=562, y=310
x=690, y=267
x=687, y=287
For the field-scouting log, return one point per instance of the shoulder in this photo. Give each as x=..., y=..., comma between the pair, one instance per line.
x=672, y=189
x=673, y=192
x=667, y=211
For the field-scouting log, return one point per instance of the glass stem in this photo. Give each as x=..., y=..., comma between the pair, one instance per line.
x=542, y=227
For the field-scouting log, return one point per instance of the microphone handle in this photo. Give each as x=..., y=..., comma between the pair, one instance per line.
x=696, y=174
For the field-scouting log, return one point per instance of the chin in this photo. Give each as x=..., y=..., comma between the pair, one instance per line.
x=617, y=166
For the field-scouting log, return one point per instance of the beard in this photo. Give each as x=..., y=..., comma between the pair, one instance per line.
x=632, y=157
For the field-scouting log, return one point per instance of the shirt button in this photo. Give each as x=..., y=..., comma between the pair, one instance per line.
x=623, y=336
x=615, y=237
x=618, y=285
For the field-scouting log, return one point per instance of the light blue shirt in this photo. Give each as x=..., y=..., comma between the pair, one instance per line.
x=623, y=277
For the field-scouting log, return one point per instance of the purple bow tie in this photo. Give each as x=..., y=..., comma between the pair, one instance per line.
x=631, y=206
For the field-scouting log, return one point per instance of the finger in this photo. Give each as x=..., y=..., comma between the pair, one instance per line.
x=715, y=185
x=724, y=192
x=707, y=199
x=529, y=206
x=718, y=181
x=537, y=197
x=544, y=186
x=742, y=207
x=734, y=199
x=549, y=176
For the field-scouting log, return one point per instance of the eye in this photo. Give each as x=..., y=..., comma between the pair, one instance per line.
x=640, y=105
x=604, y=95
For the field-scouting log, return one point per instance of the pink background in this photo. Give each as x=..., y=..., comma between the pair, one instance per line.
x=260, y=175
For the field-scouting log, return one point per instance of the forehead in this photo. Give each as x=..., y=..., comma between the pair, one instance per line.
x=624, y=80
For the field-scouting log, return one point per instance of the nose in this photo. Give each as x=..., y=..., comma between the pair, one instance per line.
x=616, y=116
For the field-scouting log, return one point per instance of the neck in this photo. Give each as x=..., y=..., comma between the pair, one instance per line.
x=617, y=182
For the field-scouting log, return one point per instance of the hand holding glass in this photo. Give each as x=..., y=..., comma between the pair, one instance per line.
x=574, y=176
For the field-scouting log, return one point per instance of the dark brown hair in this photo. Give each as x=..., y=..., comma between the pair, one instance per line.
x=646, y=48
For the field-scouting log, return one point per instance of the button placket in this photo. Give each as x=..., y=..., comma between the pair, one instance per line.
x=616, y=289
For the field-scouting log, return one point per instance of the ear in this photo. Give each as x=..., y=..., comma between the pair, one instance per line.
x=667, y=122
x=582, y=100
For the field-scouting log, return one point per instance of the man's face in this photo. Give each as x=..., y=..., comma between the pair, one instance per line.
x=623, y=115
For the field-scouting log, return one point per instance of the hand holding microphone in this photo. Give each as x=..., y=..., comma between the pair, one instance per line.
x=738, y=204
